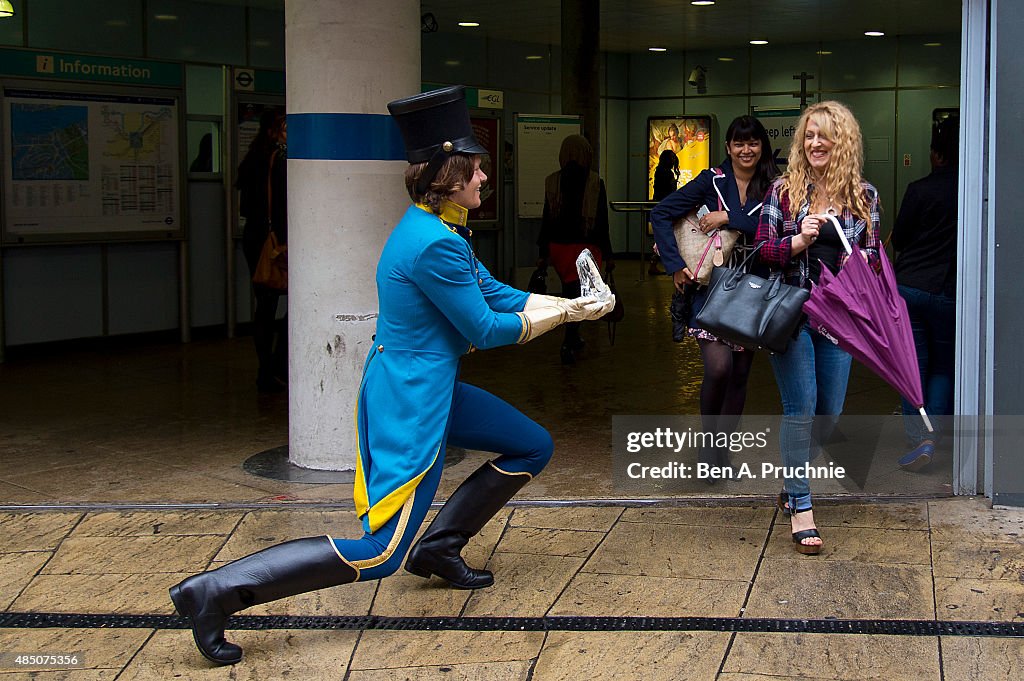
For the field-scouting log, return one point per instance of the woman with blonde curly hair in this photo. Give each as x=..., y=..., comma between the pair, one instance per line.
x=824, y=180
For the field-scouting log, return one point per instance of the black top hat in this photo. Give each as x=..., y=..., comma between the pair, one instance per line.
x=435, y=125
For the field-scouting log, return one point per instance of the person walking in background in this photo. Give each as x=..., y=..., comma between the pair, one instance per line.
x=575, y=217
x=824, y=178
x=263, y=186
x=437, y=303
x=666, y=181
x=925, y=237
x=666, y=175
x=735, y=189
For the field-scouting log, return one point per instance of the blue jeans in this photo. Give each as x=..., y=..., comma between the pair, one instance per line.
x=812, y=379
x=933, y=321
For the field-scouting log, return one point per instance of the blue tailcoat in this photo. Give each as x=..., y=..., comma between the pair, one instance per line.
x=437, y=302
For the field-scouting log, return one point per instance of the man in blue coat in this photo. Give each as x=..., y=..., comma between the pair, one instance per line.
x=437, y=303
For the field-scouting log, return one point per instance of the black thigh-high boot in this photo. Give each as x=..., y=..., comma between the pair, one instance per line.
x=293, y=567
x=438, y=552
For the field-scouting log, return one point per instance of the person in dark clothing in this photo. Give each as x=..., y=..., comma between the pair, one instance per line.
x=734, y=192
x=666, y=181
x=666, y=175
x=575, y=217
x=263, y=186
x=203, y=162
x=925, y=238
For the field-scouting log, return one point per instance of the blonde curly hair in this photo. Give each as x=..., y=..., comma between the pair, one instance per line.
x=845, y=171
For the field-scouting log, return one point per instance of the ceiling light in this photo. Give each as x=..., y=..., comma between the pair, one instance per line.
x=933, y=44
x=874, y=34
x=166, y=17
x=260, y=42
x=6, y=8
x=452, y=62
x=469, y=24
x=533, y=57
x=758, y=42
x=116, y=23
x=702, y=3
x=657, y=49
x=824, y=51
x=726, y=59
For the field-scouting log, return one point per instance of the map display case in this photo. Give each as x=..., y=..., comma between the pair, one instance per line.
x=81, y=165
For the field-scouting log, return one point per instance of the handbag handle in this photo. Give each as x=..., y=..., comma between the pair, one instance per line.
x=715, y=240
x=734, y=277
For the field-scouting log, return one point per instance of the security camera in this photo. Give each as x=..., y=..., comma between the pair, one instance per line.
x=699, y=79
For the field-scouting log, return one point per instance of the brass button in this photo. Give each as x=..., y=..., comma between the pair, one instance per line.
x=448, y=146
x=380, y=348
x=471, y=232
x=480, y=281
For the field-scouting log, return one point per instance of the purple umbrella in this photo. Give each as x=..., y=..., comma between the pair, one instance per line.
x=862, y=312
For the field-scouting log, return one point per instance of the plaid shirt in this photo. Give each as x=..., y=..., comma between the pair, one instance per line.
x=779, y=225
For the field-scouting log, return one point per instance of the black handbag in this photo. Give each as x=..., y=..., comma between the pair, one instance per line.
x=752, y=311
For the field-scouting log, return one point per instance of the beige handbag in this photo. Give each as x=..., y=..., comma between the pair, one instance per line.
x=702, y=252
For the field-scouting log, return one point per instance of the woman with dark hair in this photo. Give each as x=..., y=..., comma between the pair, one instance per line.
x=575, y=217
x=262, y=182
x=437, y=302
x=732, y=192
x=666, y=175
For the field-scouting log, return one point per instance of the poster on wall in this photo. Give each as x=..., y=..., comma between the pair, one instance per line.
x=488, y=133
x=538, y=139
x=688, y=138
x=82, y=165
x=780, y=124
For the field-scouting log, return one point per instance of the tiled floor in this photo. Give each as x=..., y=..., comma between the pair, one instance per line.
x=881, y=561
x=122, y=473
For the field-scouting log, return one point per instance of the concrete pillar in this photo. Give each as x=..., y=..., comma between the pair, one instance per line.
x=345, y=61
x=581, y=85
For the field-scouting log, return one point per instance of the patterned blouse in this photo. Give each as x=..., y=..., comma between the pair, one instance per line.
x=779, y=225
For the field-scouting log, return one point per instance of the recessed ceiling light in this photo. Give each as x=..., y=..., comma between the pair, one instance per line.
x=933, y=44
x=874, y=34
x=726, y=59
x=657, y=49
x=758, y=42
x=469, y=24
x=166, y=17
x=452, y=62
x=118, y=23
x=702, y=3
x=533, y=57
x=824, y=51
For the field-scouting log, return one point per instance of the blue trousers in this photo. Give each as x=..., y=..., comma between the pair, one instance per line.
x=812, y=378
x=478, y=421
x=933, y=322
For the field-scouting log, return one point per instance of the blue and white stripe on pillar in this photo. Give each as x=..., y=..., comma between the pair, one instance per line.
x=344, y=137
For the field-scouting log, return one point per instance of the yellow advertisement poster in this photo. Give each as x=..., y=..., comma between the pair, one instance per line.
x=688, y=138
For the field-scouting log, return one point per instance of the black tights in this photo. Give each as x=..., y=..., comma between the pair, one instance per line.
x=724, y=388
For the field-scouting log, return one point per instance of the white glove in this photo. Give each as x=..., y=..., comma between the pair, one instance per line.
x=543, y=313
x=587, y=307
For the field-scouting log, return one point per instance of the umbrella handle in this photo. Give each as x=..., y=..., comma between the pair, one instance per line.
x=927, y=422
x=842, y=234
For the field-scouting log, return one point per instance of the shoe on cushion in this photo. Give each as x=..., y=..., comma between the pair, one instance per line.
x=918, y=457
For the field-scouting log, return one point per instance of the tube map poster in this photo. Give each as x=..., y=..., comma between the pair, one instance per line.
x=91, y=164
